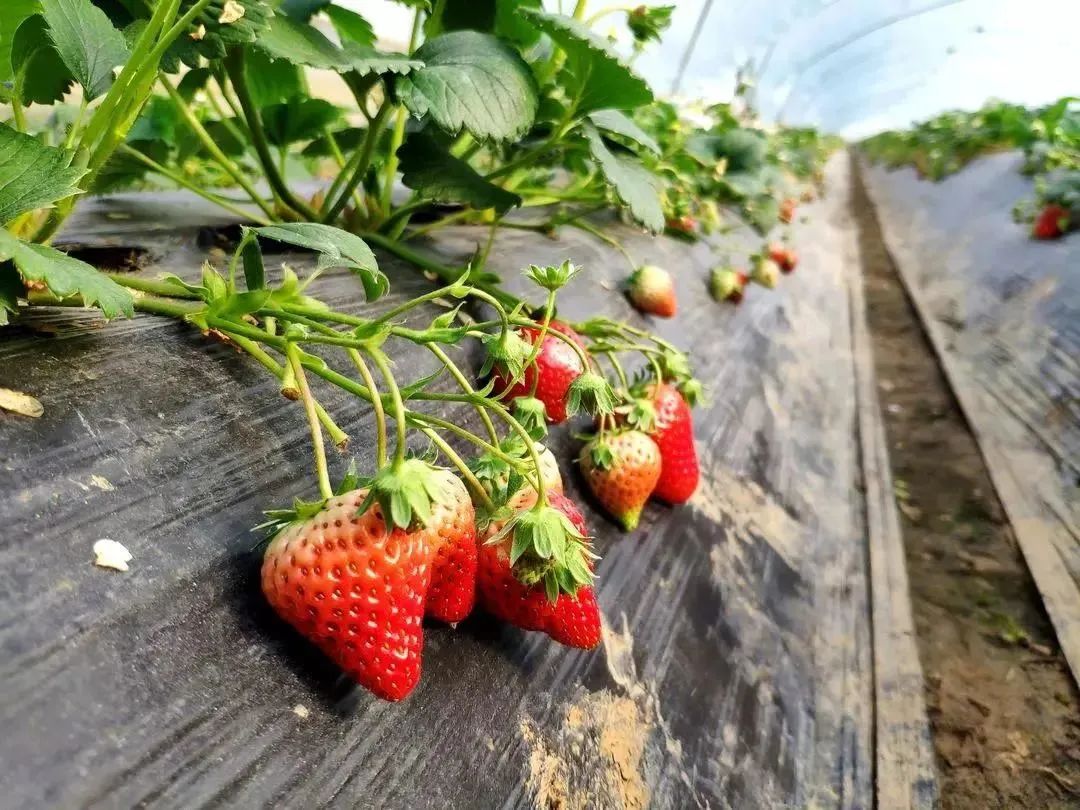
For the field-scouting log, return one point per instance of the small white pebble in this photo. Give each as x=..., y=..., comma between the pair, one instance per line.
x=301, y=711
x=110, y=554
x=892, y=407
x=102, y=483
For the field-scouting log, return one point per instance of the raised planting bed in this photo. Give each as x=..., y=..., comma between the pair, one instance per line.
x=1002, y=311
x=756, y=649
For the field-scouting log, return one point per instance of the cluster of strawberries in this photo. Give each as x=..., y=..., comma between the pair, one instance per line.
x=728, y=283
x=358, y=579
x=651, y=289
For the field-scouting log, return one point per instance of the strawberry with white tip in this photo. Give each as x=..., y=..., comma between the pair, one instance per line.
x=652, y=291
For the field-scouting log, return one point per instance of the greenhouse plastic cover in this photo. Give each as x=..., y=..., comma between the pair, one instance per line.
x=853, y=67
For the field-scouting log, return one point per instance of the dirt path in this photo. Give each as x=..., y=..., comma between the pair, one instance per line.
x=1003, y=708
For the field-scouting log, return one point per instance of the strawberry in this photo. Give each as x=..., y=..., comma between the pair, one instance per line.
x=451, y=535
x=727, y=284
x=785, y=258
x=622, y=471
x=556, y=367
x=765, y=272
x=1051, y=222
x=787, y=209
x=551, y=594
x=651, y=290
x=672, y=429
x=355, y=588
x=684, y=224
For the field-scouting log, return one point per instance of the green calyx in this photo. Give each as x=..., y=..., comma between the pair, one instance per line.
x=675, y=365
x=548, y=549
x=601, y=454
x=532, y=414
x=692, y=391
x=405, y=493
x=640, y=413
x=552, y=277
x=598, y=328
x=591, y=393
x=301, y=510
x=508, y=351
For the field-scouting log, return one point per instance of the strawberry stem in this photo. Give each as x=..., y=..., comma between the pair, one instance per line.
x=463, y=468
x=376, y=404
x=555, y=333
x=467, y=388
x=588, y=227
x=615, y=364
x=338, y=436
x=292, y=352
x=381, y=363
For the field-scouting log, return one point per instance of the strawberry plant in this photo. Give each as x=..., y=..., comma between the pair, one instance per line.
x=493, y=107
x=1048, y=136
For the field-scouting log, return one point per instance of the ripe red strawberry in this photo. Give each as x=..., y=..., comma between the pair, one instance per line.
x=622, y=471
x=651, y=290
x=673, y=432
x=557, y=365
x=355, y=589
x=451, y=535
x=785, y=258
x=787, y=210
x=684, y=224
x=1048, y=225
x=571, y=620
x=727, y=284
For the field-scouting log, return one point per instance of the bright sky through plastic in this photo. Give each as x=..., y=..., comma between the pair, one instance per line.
x=849, y=66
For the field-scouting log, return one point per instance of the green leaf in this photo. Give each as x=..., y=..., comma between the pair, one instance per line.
x=509, y=24
x=336, y=248
x=298, y=119
x=157, y=122
x=302, y=10
x=65, y=276
x=192, y=82
x=461, y=15
x=633, y=184
x=350, y=26
x=254, y=271
x=365, y=61
x=237, y=305
x=41, y=77
x=300, y=44
x=271, y=81
x=618, y=123
x=347, y=139
x=436, y=174
x=474, y=82
x=218, y=31
x=15, y=12
x=11, y=288
x=647, y=24
x=87, y=42
x=762, y=213
x=32, y=175
x=595, y=76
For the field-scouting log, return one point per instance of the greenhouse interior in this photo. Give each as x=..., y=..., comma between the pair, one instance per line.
x=547, y=404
